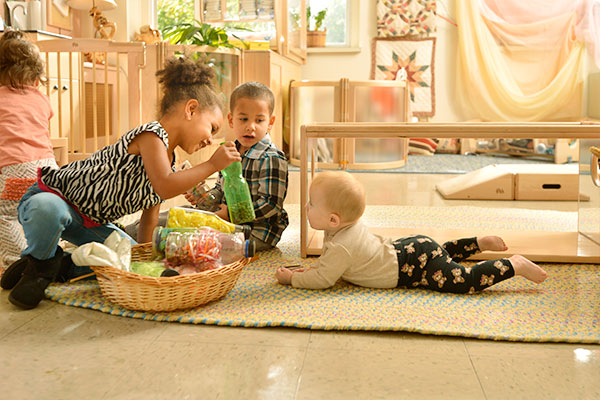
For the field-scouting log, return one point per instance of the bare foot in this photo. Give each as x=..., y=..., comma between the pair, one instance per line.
x=493, y=243
x=528, y=269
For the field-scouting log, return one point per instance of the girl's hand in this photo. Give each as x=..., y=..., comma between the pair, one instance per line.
x=284, y=276
x=190, y=197
x=225, y=155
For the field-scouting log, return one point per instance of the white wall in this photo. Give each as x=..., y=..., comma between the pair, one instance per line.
x=356, y=66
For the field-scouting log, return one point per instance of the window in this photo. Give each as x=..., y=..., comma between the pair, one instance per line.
x=341, y=21
x=171, y=12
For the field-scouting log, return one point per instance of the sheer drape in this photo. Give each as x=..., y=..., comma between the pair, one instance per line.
x=523, y=61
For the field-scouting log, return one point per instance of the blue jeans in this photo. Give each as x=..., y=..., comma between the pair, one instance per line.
x=46, y=218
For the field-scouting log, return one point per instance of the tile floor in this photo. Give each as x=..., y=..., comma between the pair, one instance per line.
x=61, y=352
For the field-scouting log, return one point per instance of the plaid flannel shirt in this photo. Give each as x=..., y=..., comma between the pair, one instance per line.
x=265, y=168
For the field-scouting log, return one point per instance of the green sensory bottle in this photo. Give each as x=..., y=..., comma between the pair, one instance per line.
x=237, y=194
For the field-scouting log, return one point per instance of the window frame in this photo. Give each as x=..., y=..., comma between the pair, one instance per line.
x=353, y=25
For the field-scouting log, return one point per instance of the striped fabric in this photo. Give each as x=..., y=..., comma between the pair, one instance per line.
x=110, y=183
x=14, y=181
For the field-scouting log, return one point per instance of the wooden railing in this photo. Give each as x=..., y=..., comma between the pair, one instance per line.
x=94, y=86
x=100, y=89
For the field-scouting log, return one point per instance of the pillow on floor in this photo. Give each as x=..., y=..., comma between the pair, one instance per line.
x=422, y=146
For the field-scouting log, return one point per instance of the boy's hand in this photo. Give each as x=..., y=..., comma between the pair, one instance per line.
x=284, y=276
x=224, y=155
x=223, y=212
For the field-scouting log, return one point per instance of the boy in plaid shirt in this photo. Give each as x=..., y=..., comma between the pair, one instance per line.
x=264, y=166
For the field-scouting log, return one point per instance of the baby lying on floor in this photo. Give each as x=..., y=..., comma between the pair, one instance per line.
x=351, y=252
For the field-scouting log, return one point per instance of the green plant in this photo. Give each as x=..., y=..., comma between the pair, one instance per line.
x=202, y=34
x=197, y=33
x=319, y=18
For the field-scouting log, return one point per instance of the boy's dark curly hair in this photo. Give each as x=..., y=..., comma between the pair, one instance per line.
x=254, y=91
x=182, y=78
x=20, y=61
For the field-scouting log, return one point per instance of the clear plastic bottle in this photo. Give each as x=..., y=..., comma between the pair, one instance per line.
x=181, y=217
x=205, y=199
x=160, y=233
x=237, y=194
x=206, y=246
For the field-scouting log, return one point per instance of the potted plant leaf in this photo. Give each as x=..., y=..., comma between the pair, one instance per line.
x=316, y=37
x=202, y=34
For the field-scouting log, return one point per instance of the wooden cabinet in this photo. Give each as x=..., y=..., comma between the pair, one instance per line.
x=277, y=72
x=286, y=17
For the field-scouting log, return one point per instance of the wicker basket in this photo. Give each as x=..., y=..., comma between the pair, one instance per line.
x=146, y=293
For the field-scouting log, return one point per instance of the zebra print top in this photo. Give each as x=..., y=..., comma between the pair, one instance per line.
x=110, y=183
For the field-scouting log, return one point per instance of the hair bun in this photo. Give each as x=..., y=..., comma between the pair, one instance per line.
x=186, y=72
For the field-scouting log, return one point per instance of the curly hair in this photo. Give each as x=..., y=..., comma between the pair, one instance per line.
x=182, y=78
x=20, y=61
x=254, y=91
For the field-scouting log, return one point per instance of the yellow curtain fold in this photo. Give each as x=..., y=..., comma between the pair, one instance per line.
x=505, y=73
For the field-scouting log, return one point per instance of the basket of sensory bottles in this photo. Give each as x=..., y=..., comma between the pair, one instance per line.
x=182, y=268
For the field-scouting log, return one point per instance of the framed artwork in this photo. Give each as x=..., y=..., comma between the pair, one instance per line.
x=413, y=59
x=59, y=14
x=405, y=17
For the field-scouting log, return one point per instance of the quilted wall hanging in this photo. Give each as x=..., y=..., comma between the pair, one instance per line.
x=405, y=17
x=416, y=56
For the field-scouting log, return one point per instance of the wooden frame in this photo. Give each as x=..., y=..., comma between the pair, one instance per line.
x=345, y=104
x=545, y=247
x=56, y=19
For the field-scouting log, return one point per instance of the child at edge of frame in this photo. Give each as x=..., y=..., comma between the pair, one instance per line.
x=25, y=144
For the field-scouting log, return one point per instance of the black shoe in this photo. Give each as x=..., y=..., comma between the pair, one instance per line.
x=13, y=273
x=66, y=264
x=38, y=274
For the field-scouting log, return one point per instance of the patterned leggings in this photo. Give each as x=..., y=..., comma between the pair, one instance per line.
x=424, y=263
x=14, y=181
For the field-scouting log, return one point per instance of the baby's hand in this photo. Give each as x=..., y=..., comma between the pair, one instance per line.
x=284, y=276
x=225, y=155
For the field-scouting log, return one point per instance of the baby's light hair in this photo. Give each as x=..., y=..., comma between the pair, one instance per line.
x=344, y=195
x=20, y=61
x=254, y=91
